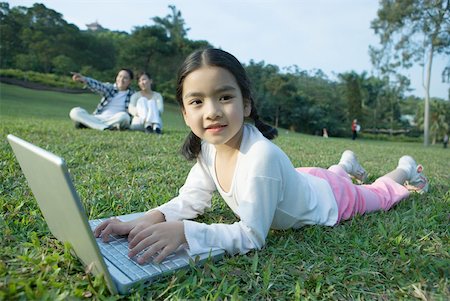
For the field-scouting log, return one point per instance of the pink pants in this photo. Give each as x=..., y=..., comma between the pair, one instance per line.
x=358, y=199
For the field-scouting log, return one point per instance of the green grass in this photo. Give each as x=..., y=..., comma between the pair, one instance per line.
x=399, y=254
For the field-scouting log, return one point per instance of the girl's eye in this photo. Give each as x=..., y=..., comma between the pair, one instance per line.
x=225, y=97
x=195, y=102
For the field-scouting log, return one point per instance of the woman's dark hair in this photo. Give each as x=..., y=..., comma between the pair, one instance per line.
x=140, y=73
x=218, y=58
x=130, y=73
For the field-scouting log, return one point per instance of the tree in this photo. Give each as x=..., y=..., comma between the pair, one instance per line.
x=101, y=50
x=319, y=104
x=412, y=32
x=174, y=25
x=390, y=106
x=46, y=35
x=259, y=74
x=63, y=64
x=353, y=93
x=446, y=78
x=373, y=87
x=297, y=100
x=10, y=24
x=439, y=119
x=283, y=90
x=31, y=38
x=146, y=49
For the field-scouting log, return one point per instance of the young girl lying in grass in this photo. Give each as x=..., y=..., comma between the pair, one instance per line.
x=254, y=177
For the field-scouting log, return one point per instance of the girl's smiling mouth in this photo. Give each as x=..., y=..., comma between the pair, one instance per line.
x=215, y=128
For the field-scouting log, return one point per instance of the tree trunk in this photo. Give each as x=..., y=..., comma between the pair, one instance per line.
x=426, y=119
x=277, y=115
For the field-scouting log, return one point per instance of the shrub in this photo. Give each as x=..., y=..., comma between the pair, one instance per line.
x=48, y=79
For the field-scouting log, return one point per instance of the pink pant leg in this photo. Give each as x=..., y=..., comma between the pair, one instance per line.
x=372, y=204
x=383, y=194
x=337, y=169
x=357, y=199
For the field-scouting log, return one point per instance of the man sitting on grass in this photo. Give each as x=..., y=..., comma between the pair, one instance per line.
x=112, y=111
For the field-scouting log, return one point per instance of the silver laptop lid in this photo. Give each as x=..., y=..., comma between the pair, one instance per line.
x=49, y=180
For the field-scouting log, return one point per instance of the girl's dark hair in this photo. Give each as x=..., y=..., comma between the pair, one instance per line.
x=218, y=58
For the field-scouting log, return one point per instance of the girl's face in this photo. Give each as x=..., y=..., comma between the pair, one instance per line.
x=144, y=82
x=123, y=80
x=213, y=106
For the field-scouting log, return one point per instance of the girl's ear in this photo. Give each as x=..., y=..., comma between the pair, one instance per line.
x=183, y=111
x=247, y=107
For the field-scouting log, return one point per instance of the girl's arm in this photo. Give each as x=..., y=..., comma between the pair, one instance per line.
x=160, y=231
x=258, y=188
x=194, y=197
x=258, y=203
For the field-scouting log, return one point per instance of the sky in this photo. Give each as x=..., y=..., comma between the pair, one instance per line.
x=331, y=35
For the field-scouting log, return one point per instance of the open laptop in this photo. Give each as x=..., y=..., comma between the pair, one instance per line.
x=51, y=184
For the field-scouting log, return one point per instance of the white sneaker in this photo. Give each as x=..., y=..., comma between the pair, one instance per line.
x=352, y=166
x=415, y=179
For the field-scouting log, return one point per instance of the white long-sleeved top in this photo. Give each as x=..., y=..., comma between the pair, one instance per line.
x=266, y=192
x=132, y=108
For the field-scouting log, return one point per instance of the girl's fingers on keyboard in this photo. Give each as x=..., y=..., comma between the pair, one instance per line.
x=112, y=226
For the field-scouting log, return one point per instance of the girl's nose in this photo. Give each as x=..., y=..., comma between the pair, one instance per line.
x=213, y=110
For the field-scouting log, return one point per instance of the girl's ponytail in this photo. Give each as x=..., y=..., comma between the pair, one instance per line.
x=268, y=131
x=191, y=147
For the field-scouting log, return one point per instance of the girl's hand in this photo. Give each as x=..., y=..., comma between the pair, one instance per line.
x=113, y=226
x=116, y=226
x=160, y=239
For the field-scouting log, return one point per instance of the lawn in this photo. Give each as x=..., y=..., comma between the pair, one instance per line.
x=399, y=254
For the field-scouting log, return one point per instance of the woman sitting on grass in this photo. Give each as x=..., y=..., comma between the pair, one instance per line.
x=254, y=177
x=146, y=107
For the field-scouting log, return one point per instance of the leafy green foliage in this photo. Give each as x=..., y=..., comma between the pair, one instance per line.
x=411, y=32
x=38, y=40
x=353, y=89
x=439, y=119
x=298, y=100
x=399, y=254
x=46, y=79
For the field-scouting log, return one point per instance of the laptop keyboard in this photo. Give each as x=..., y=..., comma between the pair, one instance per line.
x=116, y=251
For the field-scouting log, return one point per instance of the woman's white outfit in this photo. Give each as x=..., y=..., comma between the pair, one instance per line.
x=146, y=112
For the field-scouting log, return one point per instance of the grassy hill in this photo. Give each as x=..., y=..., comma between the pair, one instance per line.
x=399, y=254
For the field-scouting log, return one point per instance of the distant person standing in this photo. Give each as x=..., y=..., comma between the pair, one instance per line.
x=146, y=107
x=445, y=140
x=112, y=111
x=355, y=128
